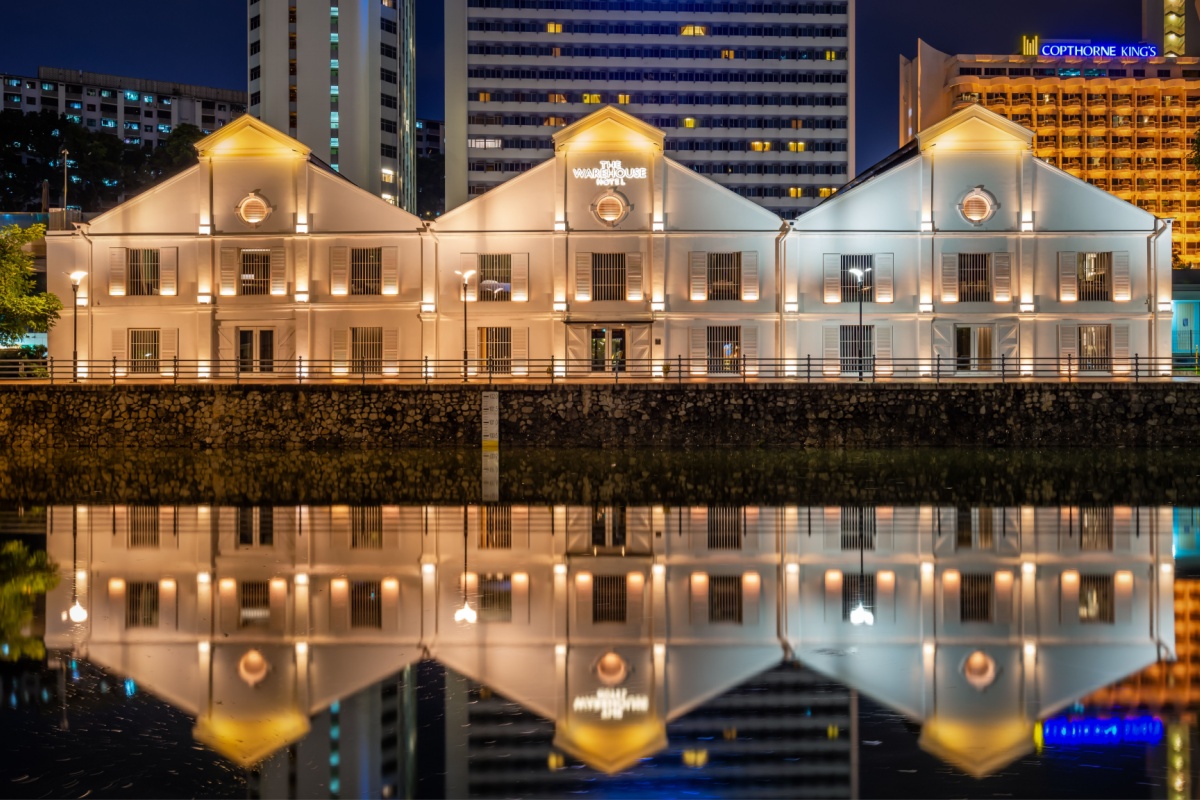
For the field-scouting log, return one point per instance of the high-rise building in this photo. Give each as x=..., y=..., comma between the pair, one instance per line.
x=1120, y=116
x=338, y=76
x=430, y=137
x=1174, y=24
x=757, y=96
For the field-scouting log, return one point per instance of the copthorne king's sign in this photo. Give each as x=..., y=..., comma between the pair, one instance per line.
x=1099, y=50
x=610, y=173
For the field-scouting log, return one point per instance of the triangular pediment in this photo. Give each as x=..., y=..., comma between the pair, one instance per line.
x=249, y=136
x=609, y=129
x=975, y=128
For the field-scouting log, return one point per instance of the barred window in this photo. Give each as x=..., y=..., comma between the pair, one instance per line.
x=975, y=277
x=366, y=350
x=1095, y=276
x=858, y=527
x=858, y=287
x=857, y=348
x=495, y=278
x=724, y=528
x=256, y=272
x=366, y=606
x=725, y=598
x=141, y=604
x=142, y=272
x=724, y=349
x=724, y=276
x=366, y=528
x=495, y=598
x=255, y=604
x=1096, y=528
x=1096, y=598
x=495, y=527
x=975, y=528
x=495, y=350
x=256, y=526
x=975, y=601
x=143, y=350
x=366, y=270
x=608, y=598
x=608, y=276
x=143, y=526
x=857, y=590
x=1095, y=347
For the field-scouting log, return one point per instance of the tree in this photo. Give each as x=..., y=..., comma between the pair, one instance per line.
x=22, y=311
x=23, y=576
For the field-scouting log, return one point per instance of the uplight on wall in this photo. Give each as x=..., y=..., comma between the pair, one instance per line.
x=560, y=226
x=560, y=308
x=301, y=297
x=301, y=227
x=658, y=305
x=1026, y=308
x=657, y=227
x=205, y=229
x=926, y=226
x=428, y=308
x=1164, y=306
x=1026, y=225
x=791, y=308
x=925, y=308
x=204, y=299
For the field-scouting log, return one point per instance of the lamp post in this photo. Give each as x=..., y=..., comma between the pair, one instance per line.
x=76, y=278
x=77, y=612
x=466, y=613
x=860, y=274
x=860, y=614
x=466, y=280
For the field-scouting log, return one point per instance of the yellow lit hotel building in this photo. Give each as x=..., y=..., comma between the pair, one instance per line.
x=1120, y=116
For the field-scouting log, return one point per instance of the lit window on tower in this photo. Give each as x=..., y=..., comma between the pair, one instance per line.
x=693, y=30
x=553, y=27
x=689, y=122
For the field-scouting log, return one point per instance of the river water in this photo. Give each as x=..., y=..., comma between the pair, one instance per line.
x=552, y=623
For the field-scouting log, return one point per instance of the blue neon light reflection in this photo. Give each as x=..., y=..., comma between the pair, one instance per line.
x=1094, y=730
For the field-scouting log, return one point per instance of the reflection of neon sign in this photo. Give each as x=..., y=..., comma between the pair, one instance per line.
x=1100, y=50
x=1093, y=730
x=610, y=173
x=611, y=703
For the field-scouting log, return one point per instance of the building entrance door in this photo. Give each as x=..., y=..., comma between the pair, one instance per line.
x=256, y=349
x=609, y=349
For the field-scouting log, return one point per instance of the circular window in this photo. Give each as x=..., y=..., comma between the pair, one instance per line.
x=611, y=669
x=610, y=208
x=978, y=206
x=253, y=210
x=979, y=669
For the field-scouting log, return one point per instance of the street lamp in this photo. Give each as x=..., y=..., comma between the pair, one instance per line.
x=76, y=278
x=466, y=613
x=860, y=274
x=466, y=280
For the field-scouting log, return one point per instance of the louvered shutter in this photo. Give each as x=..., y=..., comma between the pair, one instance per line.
x=1008, y=341
x=391, y=351
x=469, y=262
x=831, y=350
x=832, y=267
x=949, y=277
x=226, y=351
x=577, y=349
x=943, y=344
x=520, y=277
x=884, y=278
x=750, y=275
x=1120, y=347
x=120, y=348
x=583, y=277
x=698, y=275
x=1002, y=277
x=1068, y=346
x=278, y=271
x=229, y=269
x=168, y=349
x=633, y=277
x=1122, y=290
x=1068, y=277
x=883, y=349
x=339, y=270
x=118, y=257
x=389, y=267
x=698, y=350
x=339, y=351
x=520, y=351
x=750, y=348
x=168, y=271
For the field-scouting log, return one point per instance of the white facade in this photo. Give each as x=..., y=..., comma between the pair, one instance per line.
x=757, y=96
x=587, y=617
x=611, y=257
x=339, y=76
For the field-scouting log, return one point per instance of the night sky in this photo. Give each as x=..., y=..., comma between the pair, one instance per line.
x=205, y=42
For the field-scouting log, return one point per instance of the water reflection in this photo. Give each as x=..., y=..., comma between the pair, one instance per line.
x=612, y=621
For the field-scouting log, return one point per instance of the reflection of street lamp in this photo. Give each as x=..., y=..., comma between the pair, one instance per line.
x=76, y=278
x=77, y=612
x=466, y=613
x=860, y=614
x=860, y=274
x=466, y=278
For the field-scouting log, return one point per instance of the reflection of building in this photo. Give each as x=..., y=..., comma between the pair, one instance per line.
x=429, y=137
x=613, y=622
x=758, y=97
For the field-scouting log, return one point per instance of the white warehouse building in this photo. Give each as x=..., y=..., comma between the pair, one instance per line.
x=611, y=256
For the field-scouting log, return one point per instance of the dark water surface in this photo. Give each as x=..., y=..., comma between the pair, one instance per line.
x=634, y=624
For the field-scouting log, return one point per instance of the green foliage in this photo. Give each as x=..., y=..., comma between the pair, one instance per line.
x=24, y=575
x=22, y=311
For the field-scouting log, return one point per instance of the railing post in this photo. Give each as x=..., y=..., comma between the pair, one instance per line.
x=425, y=370
x=51, y=365
x=937, y=369
x=1002, y=356
x=114, y=371
x=551, y=369
x=1136, y=367
x=808, y=367
x=680, y=370
x=175, y=371
x=1069, y=360
x=300, y=370
x=743, y=368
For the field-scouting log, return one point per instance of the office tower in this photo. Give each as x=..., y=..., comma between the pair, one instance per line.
x=757, y=96
x=338, y=76
x=1173, y=24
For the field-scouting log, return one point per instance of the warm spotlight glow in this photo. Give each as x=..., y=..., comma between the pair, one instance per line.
x=203, y=577
x=1028, y=568
x=465, y=614
x=659, y=570
x=302, y=579
x=560, y=569
x=428, y=569
x=77, y=613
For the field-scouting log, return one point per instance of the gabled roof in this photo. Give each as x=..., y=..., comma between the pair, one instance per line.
x=249, y=136
x=975, y=118
x=614, y=115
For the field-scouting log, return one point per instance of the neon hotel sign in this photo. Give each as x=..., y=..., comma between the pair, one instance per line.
x=1099, y=50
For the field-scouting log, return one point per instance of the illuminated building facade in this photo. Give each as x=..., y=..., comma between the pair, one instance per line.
x=759, y=97
x=339, y=76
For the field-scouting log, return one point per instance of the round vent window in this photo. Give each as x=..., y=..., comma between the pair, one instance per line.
x=611, y=669
x=978, y=206
x=980, y=670
x=610, y=208
x=253, y=210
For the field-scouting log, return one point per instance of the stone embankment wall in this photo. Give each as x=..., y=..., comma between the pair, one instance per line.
x=226, y=417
